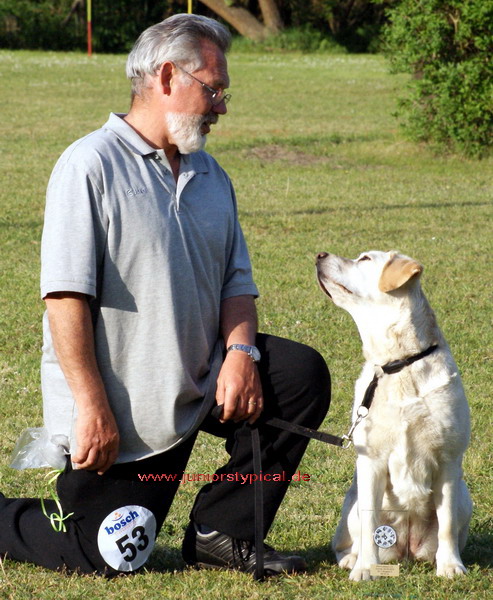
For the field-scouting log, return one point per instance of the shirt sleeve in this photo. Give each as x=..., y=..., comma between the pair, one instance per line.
x=238, y=280
x=74, y=229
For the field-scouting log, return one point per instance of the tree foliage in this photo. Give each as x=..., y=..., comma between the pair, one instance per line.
x=61, y=24
x=38, y=24
x=447, y=47
x=355, y=24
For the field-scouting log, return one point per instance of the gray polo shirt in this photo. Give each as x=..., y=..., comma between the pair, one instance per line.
x=156, y=258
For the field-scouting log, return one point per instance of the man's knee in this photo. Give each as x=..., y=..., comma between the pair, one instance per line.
x=315, y=370
x=309, y=371
x=317, y=384
x=298, y=376
x=113, y=524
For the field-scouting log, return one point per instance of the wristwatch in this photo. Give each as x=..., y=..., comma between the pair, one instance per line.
x=252, y=351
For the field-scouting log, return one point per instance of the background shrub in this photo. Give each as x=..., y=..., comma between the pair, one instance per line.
x=447, y=47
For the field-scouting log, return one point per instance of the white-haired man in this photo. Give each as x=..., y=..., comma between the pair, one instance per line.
x=151, y=322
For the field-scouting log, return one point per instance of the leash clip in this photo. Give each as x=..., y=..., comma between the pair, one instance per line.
x=347, y=442
x=362, y=413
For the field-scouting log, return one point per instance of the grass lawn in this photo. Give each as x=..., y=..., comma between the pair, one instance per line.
x=319, y=164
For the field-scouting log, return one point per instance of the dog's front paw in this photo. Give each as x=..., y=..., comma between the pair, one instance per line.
x=451, y=569
x=348, y=561
x=358, y=574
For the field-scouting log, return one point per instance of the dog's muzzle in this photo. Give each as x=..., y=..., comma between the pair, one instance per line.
x=320, y=257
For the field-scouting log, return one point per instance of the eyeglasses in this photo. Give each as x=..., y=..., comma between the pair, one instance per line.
x=217, y=96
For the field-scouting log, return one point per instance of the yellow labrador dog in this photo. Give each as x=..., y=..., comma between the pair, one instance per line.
x=410, y=418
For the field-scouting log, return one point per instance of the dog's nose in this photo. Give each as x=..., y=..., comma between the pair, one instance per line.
x=322, y=255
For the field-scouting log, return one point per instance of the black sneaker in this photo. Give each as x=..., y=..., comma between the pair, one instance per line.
x=217, y=550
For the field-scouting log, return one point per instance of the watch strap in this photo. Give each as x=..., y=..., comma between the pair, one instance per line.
x=252, y=351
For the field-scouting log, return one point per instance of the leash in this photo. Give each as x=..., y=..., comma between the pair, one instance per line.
x=258, y=507
x=322, y=436
x=343, y=442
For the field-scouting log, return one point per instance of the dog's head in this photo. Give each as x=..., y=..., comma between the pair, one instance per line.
x=373, y=279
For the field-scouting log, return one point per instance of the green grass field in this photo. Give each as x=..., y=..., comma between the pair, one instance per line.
x=319, y=164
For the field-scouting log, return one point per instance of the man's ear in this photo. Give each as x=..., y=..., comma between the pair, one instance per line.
x=398, y=271
x=165, y=75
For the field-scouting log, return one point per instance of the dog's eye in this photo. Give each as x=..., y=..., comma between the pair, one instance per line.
x=364, y=257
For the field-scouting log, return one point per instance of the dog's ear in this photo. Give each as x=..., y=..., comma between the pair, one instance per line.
x=398, y=271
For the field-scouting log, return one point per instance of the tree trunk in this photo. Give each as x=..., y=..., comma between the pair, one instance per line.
x=271, y=15
x=77, y=5
x=243, y=20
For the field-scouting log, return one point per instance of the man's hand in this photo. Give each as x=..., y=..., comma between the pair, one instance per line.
x=72, y=332
x=97, y=440
x=238, y=388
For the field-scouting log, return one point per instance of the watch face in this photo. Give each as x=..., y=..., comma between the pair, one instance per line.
x=254, y=353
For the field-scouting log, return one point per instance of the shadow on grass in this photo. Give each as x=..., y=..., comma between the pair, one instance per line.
x=342, y=208
x=165, y=559
x=373, y=207
x=478, y=551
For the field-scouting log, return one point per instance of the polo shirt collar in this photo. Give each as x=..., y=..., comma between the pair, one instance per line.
x=128, y=136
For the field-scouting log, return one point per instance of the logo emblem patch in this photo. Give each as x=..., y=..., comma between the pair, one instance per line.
x=126, y=537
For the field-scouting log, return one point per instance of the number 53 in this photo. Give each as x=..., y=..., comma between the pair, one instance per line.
x=137, y=533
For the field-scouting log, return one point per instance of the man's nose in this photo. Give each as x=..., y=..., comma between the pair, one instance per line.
x=220, y=108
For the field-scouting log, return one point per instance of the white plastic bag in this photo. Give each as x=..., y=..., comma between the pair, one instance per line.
x=35, y=449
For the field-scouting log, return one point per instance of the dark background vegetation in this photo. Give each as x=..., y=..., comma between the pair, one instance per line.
x=60, y=24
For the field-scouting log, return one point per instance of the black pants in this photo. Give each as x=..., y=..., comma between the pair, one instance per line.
x=116, y=516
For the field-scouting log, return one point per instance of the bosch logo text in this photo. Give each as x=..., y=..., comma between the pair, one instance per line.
x=123, y=522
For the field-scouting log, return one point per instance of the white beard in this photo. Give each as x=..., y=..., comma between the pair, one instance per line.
x=184, y=130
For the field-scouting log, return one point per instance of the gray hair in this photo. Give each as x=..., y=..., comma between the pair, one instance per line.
x=176, y=39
